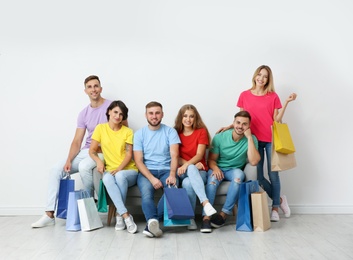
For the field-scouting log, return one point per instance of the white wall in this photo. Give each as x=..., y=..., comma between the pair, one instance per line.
x=175, y=52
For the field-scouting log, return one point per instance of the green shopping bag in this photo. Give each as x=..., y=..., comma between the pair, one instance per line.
x=102, y=204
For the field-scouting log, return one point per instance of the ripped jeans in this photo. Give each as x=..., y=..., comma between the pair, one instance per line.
x=235, y=176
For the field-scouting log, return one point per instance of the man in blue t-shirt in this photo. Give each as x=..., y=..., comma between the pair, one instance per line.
x=156, y=152
x=228, y=155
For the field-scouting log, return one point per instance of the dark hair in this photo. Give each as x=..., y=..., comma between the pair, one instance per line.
x=121, y=105
x=91, y=78
x=243, y=114
x=154, y=104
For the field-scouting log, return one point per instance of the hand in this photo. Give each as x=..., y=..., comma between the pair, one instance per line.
x=218, y=174
x=100, y=167
x=171, y=180
x=292, y=97
x=222, y=129
x=67, y=167
x=200, y=166
x=182, y=169
x=114, y=172
x=247, y=133
x=156, y=183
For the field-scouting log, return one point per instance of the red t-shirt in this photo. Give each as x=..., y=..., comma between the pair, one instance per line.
x=189, y=144
x=261, y=109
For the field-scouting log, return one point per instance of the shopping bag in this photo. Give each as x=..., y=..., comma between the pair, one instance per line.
x=66, y=186
x=260, y=212
x=244, y=217
x=89, y=217
x=282, y=162
x=282, y=139
x=102, y=198
x=178, y=204
x=73, y=218
x=167, y=222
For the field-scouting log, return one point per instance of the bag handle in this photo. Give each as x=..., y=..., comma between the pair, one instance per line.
x=67, y=177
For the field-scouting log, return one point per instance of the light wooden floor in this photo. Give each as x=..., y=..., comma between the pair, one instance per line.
x=299, y=237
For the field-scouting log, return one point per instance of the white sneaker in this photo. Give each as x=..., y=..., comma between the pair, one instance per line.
x=274, y=216
x=153, y=228
x=284, y=206
x=209, y=210
x=44, y=221
x=120, y=224
x=192, y=225
x=130, y=224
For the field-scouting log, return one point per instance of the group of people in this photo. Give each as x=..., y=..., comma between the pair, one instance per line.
x=158, y=155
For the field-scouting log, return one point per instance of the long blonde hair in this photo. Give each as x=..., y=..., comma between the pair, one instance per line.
x=269, y=87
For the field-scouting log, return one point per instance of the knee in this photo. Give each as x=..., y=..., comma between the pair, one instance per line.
x=86, y=166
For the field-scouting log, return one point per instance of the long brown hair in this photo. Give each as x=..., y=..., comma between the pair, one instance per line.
x=198, y=122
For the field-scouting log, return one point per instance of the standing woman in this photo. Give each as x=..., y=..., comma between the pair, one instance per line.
x=119, y=171
x=264, y=106
x=193, y=168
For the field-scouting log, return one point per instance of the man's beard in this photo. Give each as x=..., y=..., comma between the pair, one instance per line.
x=156, y=124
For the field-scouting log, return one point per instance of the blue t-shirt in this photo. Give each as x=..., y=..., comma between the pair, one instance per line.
x=155, y=146
x=231, y=154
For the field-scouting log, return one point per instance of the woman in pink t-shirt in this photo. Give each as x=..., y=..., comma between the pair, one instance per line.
x=264, y=106
x=192, y=169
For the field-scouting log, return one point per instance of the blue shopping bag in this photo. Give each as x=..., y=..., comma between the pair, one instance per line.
x=244, y=215
x=73, y=218
x=178, y=204
x=66, y=186
x=167, y=222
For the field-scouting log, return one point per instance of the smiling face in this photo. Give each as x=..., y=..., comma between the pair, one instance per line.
x=93, y=89
x=154, y=116
x=241, y=124
x=115, y=115
x=261, y=78
x=188, y=118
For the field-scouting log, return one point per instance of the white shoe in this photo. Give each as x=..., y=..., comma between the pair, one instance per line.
x=284, y=206
x=120, y=224
x=192, y=225
x=130, y=224
x=44, y=221
x=274, y=216
x=209, y=210
x=153, y=227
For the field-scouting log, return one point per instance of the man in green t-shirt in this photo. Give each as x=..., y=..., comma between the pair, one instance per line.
x=230, y=151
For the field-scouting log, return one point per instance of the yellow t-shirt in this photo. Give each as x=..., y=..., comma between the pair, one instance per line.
x=113, y=145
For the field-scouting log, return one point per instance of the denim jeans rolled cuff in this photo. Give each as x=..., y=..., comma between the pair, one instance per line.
x=273, y=185
x=117, y=187
x=82, y=162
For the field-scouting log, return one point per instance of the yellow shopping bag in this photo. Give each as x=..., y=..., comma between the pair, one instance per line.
x=282, y=139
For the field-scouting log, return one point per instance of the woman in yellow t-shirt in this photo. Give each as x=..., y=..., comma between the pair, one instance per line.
x=119, y=170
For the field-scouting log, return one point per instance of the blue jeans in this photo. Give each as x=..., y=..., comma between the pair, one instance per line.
x=273, y=186
x=194, y=182
x=83, y=164
x=117, y=186
x=235, y=176
x=147, y=194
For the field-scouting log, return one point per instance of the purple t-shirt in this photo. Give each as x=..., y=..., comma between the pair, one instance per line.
x=90, y=117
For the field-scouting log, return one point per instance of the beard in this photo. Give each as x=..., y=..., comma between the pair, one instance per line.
x=157, y=123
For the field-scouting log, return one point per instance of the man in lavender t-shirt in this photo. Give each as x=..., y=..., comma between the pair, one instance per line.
x=78, y=159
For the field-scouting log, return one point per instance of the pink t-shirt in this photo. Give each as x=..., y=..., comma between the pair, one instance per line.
x=189, y=144
x=90, y=117
x=261, y=109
